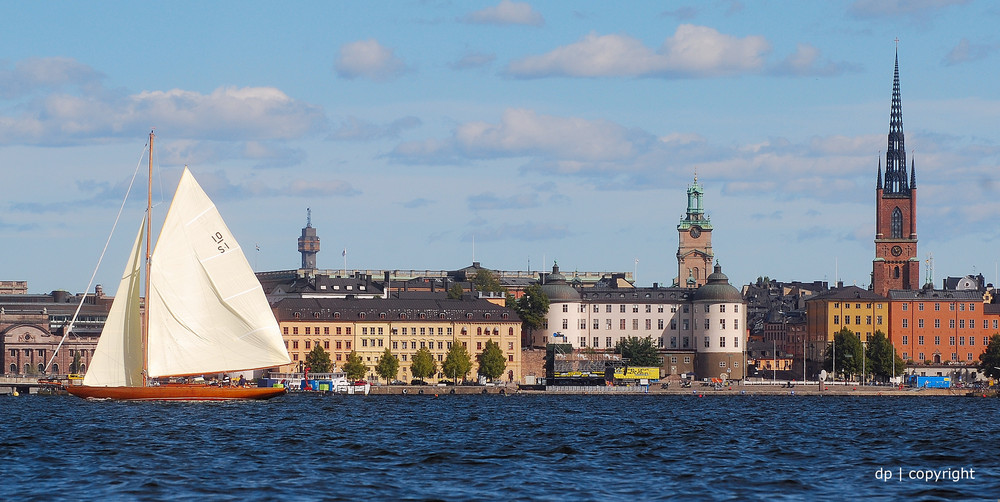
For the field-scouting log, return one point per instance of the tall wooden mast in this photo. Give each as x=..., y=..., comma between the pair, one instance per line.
x=149, y=233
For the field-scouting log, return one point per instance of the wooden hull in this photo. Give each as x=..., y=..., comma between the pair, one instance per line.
x=175, y=392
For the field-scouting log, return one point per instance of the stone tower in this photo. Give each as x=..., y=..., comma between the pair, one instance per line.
x=309, y=243
x=694, y=248
x=896, y=265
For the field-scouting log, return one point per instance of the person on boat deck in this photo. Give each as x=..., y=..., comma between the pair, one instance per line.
x=243, y=381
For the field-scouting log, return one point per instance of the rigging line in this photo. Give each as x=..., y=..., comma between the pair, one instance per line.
x=69, y=327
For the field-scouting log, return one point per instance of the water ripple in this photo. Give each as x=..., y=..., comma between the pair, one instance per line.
x=421, y=447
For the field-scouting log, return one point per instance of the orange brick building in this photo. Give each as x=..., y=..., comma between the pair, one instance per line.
x=942, y=326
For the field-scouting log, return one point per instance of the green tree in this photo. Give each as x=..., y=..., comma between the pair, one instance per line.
x=492, y=361
x=638, y=351
x=455, y=292
x=423, y=364
x=318, y=360
x=487, y=282
x=531, y=307
x=457, y=363
x=355, y=368
x=989, y=361
x=883, y=361
x=849, y=352
x=388, y=366
x=74, y=367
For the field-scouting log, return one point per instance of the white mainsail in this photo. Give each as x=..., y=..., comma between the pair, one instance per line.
x=207, y=310
x=117, y=360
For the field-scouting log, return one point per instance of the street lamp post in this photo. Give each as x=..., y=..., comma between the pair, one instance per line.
x=864, y=356
x=774, y=361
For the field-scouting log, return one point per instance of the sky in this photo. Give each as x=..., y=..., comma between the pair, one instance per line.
x=429, y=134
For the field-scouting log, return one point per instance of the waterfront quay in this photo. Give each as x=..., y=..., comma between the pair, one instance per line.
x=696, y=389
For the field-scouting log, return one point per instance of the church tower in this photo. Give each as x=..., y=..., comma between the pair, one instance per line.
x=309, y=243
x=694, y=249
x=896, y=265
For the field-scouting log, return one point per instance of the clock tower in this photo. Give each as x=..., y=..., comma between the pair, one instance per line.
x=694, y=249
x=896, y=265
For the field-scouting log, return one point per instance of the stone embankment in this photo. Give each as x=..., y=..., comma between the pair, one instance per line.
x=694, y=390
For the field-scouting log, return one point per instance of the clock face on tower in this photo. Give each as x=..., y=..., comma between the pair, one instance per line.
x=695, y=232
x=896, y=251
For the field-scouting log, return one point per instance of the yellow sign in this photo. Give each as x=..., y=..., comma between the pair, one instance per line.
x=637, y=373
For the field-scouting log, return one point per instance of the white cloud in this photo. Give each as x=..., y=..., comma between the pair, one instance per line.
x=506, y=12
x=808, y=61
x=36, y=74
x=369, y=59
x=228, y=113
x=692, y=51
x=525, y=132
x=966, y=51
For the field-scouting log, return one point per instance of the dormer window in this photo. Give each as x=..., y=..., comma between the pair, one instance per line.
x=382, y=315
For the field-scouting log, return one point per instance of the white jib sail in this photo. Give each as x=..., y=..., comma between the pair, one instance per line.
x=117, y=359
x=207, y=310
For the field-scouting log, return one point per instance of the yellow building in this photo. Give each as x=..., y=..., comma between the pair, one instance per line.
x=369, y=326
x=859, y=310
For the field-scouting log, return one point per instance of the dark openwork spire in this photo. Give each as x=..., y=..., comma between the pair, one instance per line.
x=895, y=154
x=879, y=184
x=913, y=175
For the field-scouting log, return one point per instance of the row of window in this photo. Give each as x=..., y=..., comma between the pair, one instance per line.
x=937, y=306
x=406, y=345
x=649, y=324
x=951, y=323
x=41, y=352
x=857, y=320
x=41, y=368
x=422, y=315
x=921, y=358
x=847, y=305
x=951, y=340
x=381, y=330
x=648, y=308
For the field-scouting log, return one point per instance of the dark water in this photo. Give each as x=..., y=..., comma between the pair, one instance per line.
x=646, y=447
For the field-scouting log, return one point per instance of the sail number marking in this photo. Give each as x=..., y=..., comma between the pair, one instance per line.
x=220, y=242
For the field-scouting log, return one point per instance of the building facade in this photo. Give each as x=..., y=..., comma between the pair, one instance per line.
x=703, y=329
x=369, y=326
x=933, y=327
x=861, y=311
x=896, y=265
x=32, y=327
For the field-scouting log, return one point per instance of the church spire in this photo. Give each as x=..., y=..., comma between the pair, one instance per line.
x=895, y=154
x=879, y=184
x=913, y=175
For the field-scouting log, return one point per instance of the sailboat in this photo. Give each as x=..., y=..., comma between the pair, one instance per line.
x=205, y=313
